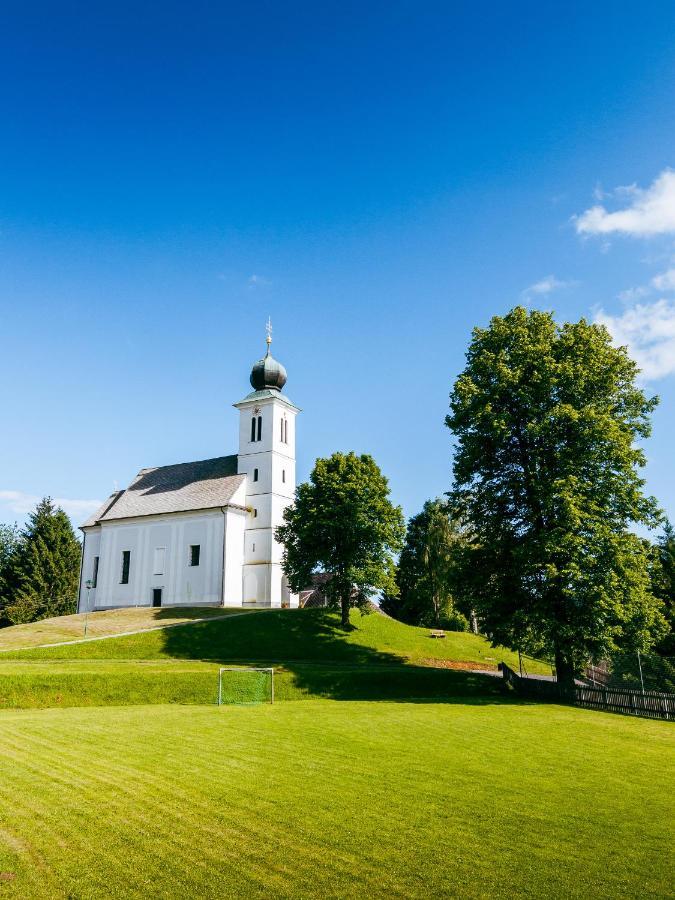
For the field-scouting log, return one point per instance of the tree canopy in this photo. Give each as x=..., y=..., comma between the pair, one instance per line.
x=547, y=421
x=663, y=584
x=43, y=570
x=425, y=570
x=343, y=523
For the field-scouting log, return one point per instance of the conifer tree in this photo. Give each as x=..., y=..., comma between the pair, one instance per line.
x=45, y=568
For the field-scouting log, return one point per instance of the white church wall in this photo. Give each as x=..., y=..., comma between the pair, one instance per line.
x=92, y=549
x=235, y=525
x=180, y=582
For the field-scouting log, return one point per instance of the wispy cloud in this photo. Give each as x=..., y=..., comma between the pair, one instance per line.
x=630, y=295
x=665, y=281
x=648, y=330
x=651, y=211
x=258, y=281
x=546, y=286
x=21, y=504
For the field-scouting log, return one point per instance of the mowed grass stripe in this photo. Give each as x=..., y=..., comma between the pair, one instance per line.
x=148, y=799
x=338, y=799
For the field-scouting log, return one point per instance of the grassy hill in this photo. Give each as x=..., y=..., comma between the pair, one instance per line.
x=312, y=656
x=103, y=624
x=281, y=636
x=453, y=789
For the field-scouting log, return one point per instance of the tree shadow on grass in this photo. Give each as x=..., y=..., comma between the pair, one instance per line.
x=313, y=658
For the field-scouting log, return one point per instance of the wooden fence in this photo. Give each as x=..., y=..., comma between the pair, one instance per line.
x=652, y=704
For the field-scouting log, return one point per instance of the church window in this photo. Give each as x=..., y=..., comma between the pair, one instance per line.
x=255, y=474
x=253, y=548
x=94, y=574
x=255, y=513
x=253, y=428
x=126, y=563
x=195, y=552
x=259, y=427
x=283, y=475
x=282, y=423
x=285, y=431
x=158, y=568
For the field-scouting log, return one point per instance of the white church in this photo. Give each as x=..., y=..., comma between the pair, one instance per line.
x=202, y=533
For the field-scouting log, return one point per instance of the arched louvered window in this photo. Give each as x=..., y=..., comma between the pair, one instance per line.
x=253, y=428
x=259, y=427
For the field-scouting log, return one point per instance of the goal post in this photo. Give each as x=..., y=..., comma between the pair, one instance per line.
x=245, y=685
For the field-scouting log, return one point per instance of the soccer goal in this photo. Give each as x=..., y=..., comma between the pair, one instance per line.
x=244, y=685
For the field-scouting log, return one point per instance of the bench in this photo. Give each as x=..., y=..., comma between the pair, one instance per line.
x=437, y=633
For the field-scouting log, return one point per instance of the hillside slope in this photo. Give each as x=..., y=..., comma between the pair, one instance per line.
x=283, y=636
x=104, y=623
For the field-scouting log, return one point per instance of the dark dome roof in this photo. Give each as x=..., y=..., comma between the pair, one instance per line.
x=268, y=373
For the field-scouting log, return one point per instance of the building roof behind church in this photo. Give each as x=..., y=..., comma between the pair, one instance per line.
x=205, y=484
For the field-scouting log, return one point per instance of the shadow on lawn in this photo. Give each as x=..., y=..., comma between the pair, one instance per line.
x=314, y=657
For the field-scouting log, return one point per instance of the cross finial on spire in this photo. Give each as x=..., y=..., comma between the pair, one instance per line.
x=268, y=329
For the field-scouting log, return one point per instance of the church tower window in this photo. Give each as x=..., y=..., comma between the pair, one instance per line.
x=259, y=427
x=255, y=474
x=253, y=428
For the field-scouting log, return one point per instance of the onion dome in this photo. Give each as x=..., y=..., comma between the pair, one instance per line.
x=268, y=373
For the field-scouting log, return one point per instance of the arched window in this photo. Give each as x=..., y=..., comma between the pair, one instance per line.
x=259, y=427
x=285, y=431
x=283, y=475
x=255, y=474
x=253, y=428
x=281, y=423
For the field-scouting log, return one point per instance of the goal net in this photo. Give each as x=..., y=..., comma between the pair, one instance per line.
x=243, y=685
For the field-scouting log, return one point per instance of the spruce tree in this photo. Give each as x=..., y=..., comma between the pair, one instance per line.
x=45, y=568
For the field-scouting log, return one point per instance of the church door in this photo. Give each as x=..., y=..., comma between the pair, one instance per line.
x=156, y=596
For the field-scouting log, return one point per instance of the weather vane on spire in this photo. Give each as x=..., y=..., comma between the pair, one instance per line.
x=268, y=329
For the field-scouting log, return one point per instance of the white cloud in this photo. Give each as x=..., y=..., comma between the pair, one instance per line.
x=258, y=281
x=648, y=330
x=665, y=281
x=21, y=504
x=630, y=295
x=651, y=211
x=547, y=285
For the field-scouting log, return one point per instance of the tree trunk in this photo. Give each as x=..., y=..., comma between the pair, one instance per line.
x=344, y=604
x=564, y=669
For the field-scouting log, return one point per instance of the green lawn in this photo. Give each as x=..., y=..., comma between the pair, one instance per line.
x=333, y=799
x=284, y=636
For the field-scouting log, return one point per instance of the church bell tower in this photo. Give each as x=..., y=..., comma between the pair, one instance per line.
x=267, y=457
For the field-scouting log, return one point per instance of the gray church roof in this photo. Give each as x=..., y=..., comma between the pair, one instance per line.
x=206, y=484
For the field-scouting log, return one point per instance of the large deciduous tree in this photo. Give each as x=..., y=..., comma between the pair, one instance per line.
x=45, y=567
x=343, y=523
x=547, y=421
x=426, y=568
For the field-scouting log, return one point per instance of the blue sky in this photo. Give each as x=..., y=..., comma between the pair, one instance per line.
x=377, y=177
